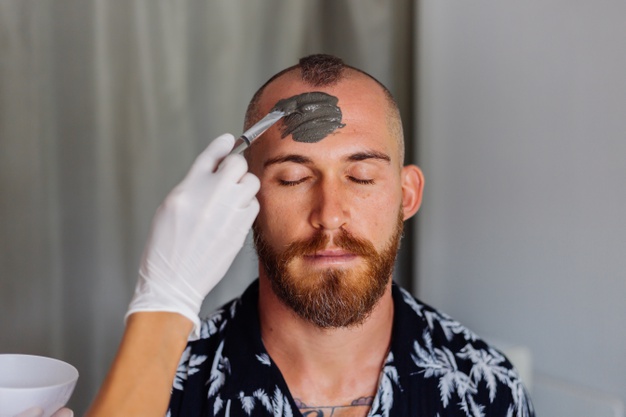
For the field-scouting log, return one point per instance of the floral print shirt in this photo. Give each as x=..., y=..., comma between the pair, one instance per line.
x=435, y=368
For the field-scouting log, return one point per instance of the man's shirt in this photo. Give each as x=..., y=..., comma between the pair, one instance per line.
x=435, y=367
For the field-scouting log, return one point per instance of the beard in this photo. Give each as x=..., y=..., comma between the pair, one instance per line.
x=330, y=297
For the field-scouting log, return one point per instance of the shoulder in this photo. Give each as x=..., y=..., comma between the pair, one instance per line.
x=227, y=370
x=200, y=353
x=202, y=361
x=431, y=327
x=465, y=370
x=216, y=322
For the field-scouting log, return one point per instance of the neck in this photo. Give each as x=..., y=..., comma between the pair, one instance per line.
x=325, y=364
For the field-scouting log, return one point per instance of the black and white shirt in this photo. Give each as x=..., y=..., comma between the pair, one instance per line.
x=435, y=368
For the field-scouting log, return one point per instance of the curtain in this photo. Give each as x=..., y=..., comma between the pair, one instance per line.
x=104, y=105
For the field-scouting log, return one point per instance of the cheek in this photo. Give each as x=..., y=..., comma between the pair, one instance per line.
x=377, y=218
x=279, y=215
x=377, y=213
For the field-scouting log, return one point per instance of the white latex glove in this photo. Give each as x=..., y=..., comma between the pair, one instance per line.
x=196, y=233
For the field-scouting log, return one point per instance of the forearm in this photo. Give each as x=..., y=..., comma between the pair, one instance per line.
x=140, y=380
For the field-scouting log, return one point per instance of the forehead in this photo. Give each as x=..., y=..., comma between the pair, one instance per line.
x=365, y=113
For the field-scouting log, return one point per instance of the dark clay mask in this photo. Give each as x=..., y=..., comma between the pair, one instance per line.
x=309, y=117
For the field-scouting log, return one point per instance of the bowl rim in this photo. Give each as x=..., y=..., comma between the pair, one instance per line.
x=69, y=381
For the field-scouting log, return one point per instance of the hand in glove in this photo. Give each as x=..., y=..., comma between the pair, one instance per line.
x=196, y=233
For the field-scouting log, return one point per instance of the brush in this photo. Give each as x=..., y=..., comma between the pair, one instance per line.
x=247, y=137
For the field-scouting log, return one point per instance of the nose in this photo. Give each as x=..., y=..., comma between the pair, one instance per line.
x=330, y=208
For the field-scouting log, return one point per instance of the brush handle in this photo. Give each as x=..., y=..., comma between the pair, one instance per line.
x=256, y=130
x=240, y=145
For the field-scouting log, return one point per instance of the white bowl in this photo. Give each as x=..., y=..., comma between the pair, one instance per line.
x=28, y=381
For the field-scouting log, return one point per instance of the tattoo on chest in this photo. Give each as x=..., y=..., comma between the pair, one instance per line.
x=358, y=407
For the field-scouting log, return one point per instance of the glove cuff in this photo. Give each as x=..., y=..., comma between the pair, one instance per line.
x=157, y=295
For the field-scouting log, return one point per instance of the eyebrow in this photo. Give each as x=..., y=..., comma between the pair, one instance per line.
x=362, y=156
x=304, y=160
x=297, y=159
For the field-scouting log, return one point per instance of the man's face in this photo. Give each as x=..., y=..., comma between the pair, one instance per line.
x=332, y=211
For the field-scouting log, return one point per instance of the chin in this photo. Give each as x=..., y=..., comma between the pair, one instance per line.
x=332, y=297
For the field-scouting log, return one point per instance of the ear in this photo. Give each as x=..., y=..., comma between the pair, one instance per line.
x=412, y=189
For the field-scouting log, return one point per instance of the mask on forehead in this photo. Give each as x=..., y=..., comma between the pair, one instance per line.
x=310, y=117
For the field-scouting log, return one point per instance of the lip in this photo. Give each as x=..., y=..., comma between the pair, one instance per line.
x=331, y=257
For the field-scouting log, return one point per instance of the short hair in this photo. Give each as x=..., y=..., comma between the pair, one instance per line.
x=321, y=70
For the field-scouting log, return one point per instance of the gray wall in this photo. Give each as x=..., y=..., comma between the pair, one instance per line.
x=522, y=130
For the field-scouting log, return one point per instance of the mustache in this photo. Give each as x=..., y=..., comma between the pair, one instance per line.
x=319, y=241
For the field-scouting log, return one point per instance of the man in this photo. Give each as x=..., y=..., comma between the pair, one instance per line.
x=323, y=331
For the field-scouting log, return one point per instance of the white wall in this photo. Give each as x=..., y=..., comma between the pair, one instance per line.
x=522, y=130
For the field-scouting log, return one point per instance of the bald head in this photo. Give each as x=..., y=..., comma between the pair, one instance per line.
x=320, y=71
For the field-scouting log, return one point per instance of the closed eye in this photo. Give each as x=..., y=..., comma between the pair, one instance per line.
x=292, y=183
x=361, y=181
